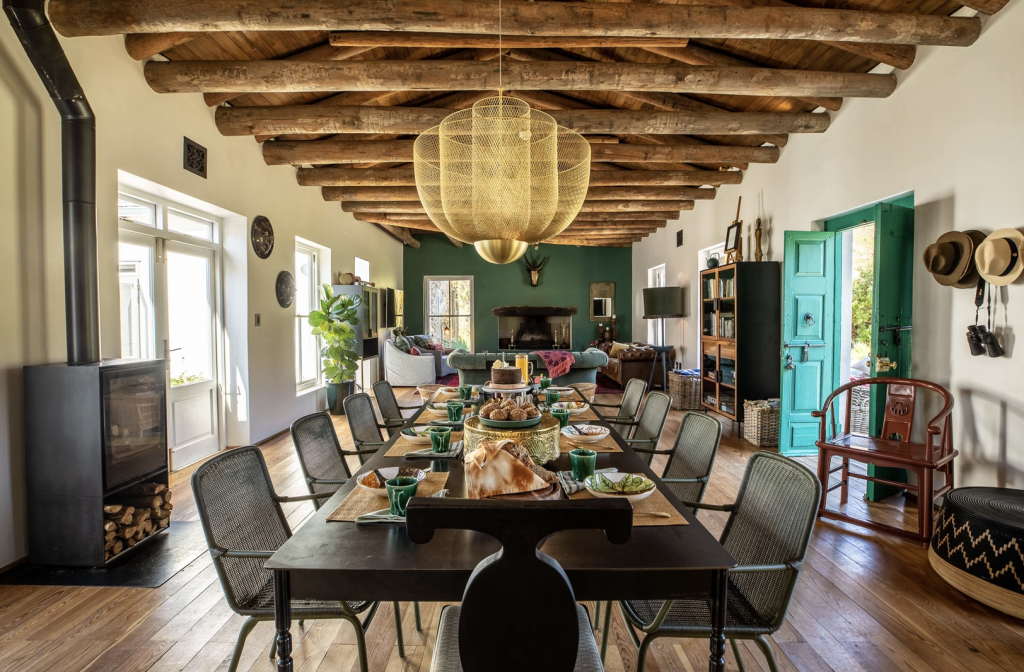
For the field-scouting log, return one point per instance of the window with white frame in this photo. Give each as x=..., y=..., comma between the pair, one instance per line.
x=449, y=309
x=362, y=269
x=307, y=299
x=656, y=328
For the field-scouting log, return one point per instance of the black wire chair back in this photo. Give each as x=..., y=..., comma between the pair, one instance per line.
x=321, y=456
x=693, y=456
x=632, y=397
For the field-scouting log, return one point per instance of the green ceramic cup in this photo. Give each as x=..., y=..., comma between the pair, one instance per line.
x=400, y=491
x=455, y=411
x=583, y=462
x=551, y=396
x=440, y=438
x=562, y=415
x=465, y=392
x=545, y=382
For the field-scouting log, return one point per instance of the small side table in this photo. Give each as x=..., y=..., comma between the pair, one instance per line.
x=662, y=350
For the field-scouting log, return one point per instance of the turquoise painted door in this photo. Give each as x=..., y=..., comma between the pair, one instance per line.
x=809, y=331
x=891, y=309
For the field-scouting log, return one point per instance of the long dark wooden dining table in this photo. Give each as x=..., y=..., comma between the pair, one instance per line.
x=342, y=561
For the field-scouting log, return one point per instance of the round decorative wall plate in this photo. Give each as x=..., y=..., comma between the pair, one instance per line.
x=285, y=289
x=262, y=235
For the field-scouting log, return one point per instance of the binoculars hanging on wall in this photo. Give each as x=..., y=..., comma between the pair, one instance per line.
x=982, y=341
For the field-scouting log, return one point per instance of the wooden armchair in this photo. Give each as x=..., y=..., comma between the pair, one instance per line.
x=892, y=449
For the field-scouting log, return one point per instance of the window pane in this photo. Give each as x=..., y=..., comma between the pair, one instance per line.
x=399, y=305
x=436, y=331
x=132, y=210
x=461, y=333
x=187, y=225
x=438, y=290
x=307, y=355
x=135, y=273
x=304, y=279
x=460, y=291
x=190, y=317
x=362, y=269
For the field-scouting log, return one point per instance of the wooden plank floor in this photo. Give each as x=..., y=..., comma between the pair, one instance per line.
x=865, y=602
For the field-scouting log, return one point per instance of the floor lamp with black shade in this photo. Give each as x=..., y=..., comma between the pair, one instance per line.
x=661, y=303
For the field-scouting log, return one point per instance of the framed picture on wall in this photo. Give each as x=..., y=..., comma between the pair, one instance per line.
x=732, y=236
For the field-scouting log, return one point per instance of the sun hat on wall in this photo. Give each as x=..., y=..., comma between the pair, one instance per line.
x=998, y=257
x=950, y=259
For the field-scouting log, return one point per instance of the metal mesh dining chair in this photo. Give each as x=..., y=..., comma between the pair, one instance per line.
x=362, y=423
x=626, y=411
x=648, y=427
x=389, y=408
x=244, y=524
x=533, y=592
x=768, y=531
x=692, y=456
x=321, y=457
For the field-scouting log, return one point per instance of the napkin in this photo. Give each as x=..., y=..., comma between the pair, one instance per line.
x=384, y=516
x=453, y=451
x=571, y=486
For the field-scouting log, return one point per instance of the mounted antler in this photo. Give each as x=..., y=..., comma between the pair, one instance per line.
x=534, y=267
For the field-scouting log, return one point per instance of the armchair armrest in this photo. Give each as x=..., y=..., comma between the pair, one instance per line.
x=326, y=481
x=710, y=507
x=650, y=451
x=224, y=553
x=394, y=422
x=594, y=403
x=365, y=451
x=304, y=498
x=782, y=567
x=701, y=479
x=621, y=420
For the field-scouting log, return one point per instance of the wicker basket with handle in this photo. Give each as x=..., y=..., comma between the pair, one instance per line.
x=684, y=390
x=760, y=423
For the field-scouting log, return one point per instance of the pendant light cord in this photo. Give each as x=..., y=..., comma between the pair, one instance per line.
x=499, y=48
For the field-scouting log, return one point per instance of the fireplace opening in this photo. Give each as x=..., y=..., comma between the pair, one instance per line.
x=535, y=334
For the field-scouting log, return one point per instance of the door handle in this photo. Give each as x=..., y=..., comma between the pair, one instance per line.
x=789, y=363
x=883, y=364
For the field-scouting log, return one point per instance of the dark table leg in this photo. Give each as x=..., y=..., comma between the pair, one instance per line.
x=720, y=591
x=283, y=620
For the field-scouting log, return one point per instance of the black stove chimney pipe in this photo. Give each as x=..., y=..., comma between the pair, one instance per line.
x=78, y=170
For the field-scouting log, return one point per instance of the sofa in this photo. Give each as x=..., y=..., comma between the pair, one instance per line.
x=475, y=368
x=402, y=369
x=633, y=362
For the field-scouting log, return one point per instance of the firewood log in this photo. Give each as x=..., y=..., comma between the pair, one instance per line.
x=129, y=542
x=123, y=518
x=109, y=525
x=168, y=506
x=142, y=489
x=118, y=546
x=146, y=502
x=140, y=516
x=106, y=556
x=161, y=513
x=167, y=495
x=140, y=534
x=109, y=545
x=163, y=523
x=110, y=536
x=128, y=531
x=147, y=527
x=112, y=508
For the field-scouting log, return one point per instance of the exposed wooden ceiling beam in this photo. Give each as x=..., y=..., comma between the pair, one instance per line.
x=75, y=18
x=577, y=228
x=332, y=151
x=404, y=176
x=588, y=206
x=469, y=41
x=317, y=119
x=618, y=218
x=625, y=193
x=297, y=76
x=143, y=45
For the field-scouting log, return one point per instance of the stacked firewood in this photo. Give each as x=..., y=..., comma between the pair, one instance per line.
x=134, y=514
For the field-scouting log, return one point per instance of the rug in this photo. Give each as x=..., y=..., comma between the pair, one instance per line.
x=451, y=380
x=148, y=567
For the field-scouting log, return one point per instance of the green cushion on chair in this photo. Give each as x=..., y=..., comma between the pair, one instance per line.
x=402, y=343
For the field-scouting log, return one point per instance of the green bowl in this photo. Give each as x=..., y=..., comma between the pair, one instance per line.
x=510, y=424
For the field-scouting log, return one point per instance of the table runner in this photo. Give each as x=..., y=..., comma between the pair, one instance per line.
x=404, y=445
x=359, y=501
x=657, y=502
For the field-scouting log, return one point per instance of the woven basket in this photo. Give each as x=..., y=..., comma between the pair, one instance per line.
x=685, y=391
x=760, y=423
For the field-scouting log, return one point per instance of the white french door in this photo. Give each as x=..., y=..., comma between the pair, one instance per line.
x=170, y=309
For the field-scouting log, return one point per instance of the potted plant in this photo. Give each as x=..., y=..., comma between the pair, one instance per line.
x=335, y=323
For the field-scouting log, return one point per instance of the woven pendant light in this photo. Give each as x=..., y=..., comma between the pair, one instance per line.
x=501, y=176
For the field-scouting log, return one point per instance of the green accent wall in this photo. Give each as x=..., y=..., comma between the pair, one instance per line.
x=565, y=281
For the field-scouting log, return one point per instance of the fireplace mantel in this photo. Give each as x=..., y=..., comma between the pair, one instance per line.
x=534, y=311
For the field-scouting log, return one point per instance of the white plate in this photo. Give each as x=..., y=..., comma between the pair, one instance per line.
x=586, y=438
x=449, y=391
x=615, y=477
x=416, y=438
x=568, y=405
x=441, y=408
x=388, y=473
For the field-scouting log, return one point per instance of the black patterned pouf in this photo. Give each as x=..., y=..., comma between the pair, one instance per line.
x=978, y=546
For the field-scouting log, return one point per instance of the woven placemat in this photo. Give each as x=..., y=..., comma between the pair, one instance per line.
x=360, y=502
x=404, y=445
x=655, y=503
x=586, y=416
x=605, y=445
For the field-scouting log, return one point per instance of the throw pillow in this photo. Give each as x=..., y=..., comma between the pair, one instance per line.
x=422, y=341
x=402, y=343
x=415, y=351
x=435, y=346
x=617, y=348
